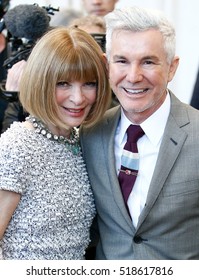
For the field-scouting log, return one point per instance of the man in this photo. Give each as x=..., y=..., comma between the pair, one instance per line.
x=99, y=7
x=161, y=217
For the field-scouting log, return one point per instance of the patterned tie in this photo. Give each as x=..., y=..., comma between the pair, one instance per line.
x=130, y=161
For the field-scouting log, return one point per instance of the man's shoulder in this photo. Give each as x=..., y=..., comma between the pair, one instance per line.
x=110, y=116
x=184, y=115
x=179, y=106
x=111, y=113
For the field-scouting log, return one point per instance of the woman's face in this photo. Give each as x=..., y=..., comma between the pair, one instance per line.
x=75, y=100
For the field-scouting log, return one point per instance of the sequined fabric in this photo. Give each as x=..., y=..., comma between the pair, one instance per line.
x=56, y=208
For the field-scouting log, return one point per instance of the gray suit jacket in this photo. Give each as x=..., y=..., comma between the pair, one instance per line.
x=168, y=226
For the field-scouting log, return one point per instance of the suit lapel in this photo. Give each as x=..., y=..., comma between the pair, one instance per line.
x=172, y=143
x=108, y=135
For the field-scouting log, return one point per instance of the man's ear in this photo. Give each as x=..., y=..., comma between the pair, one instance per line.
x=173, y=68
x=105, y=60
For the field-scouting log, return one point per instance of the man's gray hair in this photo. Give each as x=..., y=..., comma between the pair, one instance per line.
x=138, y=19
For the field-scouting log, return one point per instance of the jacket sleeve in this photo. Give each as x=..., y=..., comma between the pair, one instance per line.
x=13, y=112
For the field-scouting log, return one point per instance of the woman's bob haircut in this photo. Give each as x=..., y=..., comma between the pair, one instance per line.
x=63, y=54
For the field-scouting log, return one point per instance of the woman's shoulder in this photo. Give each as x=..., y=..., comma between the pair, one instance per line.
x=17, y=137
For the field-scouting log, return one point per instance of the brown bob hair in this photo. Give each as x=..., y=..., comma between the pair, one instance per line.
x=63, y=54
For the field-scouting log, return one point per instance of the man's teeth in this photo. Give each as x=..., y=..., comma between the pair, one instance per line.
x=135, y=91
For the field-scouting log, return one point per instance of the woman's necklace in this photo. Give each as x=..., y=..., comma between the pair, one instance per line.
x=71, y=143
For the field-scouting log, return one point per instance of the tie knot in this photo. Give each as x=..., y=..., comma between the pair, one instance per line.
x=134, y=132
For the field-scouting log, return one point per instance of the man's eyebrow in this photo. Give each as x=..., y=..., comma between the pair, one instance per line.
x=153, y=57
x=118, y=56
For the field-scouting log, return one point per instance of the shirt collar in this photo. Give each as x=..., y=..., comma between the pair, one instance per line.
x=153, y=129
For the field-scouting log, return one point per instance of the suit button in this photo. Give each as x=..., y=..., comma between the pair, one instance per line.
x=137, y=239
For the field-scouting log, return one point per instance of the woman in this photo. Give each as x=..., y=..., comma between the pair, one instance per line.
x=46, y=203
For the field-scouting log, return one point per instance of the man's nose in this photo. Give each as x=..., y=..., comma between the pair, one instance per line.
x=134, y=74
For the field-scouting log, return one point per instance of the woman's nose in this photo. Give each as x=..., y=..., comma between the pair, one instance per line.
x=77, y=96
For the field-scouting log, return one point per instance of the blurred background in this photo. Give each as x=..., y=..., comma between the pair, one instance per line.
x=183, y=14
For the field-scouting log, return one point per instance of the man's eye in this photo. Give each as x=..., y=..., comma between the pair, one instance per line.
x=148, y=62
x=122, y=61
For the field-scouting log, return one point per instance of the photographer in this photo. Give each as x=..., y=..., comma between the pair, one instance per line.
x=14, y=109
x=25, y=25
x=3, y=54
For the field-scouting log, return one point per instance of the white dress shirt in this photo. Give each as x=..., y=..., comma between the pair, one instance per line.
x=148, y=148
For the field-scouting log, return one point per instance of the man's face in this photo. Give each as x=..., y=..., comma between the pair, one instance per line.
x=139, y=72
x=99, y=7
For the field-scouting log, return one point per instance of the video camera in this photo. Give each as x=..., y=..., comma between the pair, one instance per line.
x=100, y=38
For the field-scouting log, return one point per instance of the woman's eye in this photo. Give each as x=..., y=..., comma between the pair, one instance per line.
x=91, y=84
x=63, y=84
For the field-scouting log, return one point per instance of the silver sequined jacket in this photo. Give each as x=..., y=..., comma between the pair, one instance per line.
x=56, y=209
